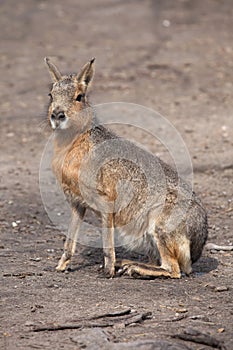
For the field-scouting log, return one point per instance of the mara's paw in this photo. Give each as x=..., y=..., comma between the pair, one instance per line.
x=61, y=268
x=130, y=270
x=109, y=271
x=63, y=263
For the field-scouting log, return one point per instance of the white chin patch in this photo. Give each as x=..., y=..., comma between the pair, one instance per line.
x=63, y=124
x=59, y=125
x=53, y=125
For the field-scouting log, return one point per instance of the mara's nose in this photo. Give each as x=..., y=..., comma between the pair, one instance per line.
x=58, y=115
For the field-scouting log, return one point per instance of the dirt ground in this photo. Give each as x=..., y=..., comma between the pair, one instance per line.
x=175, y=57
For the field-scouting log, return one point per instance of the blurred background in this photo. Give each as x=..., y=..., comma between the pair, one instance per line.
x=172, y=56
x=157, y=52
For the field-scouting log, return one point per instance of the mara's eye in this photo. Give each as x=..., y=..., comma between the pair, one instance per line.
x=79, y=97
x=51, y=97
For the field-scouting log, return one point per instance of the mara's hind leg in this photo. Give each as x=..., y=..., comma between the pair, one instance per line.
x=184, y=256
x=71, y=239
x=169, y=266
x=122, y=263
x=136, y=270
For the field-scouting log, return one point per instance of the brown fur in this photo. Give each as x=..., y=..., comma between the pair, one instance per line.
x=141, y=211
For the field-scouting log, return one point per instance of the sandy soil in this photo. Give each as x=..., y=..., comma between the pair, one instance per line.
x=172, y=56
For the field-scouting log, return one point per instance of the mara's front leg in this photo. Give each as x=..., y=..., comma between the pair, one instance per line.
x=71, y=238
x=108, y=244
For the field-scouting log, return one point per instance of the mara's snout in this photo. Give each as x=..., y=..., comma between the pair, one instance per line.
x=58, y=119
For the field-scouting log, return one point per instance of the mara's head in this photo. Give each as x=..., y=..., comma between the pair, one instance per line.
x=68, y=95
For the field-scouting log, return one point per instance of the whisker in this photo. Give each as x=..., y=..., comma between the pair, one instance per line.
x=44, y=126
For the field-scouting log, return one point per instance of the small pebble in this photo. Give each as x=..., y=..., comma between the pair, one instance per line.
x=224, y=128
x=221, y=330
x=166, y=23
x=181, y=310
x=50, y=250
x=35, y=259
x=200, y=317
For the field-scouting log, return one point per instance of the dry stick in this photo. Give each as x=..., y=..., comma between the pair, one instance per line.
x=134, y=319
x=71, y=326
x=212, y=246
x=22, y=274
x=112, y=314
x=197, y=337
x=122, y=314
x=175, y=319
x=138, y=318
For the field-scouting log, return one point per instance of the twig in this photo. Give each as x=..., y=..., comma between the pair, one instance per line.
x=22, y=274
x=195, y=336
x=112, y=314
x=119, y=314
x=57, y=327
x=175, y=319
x=210, y=246
x=134, y=318
x=139, y=318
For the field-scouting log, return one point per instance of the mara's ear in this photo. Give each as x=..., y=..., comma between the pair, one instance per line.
x=54, y=72
x=87, y=72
